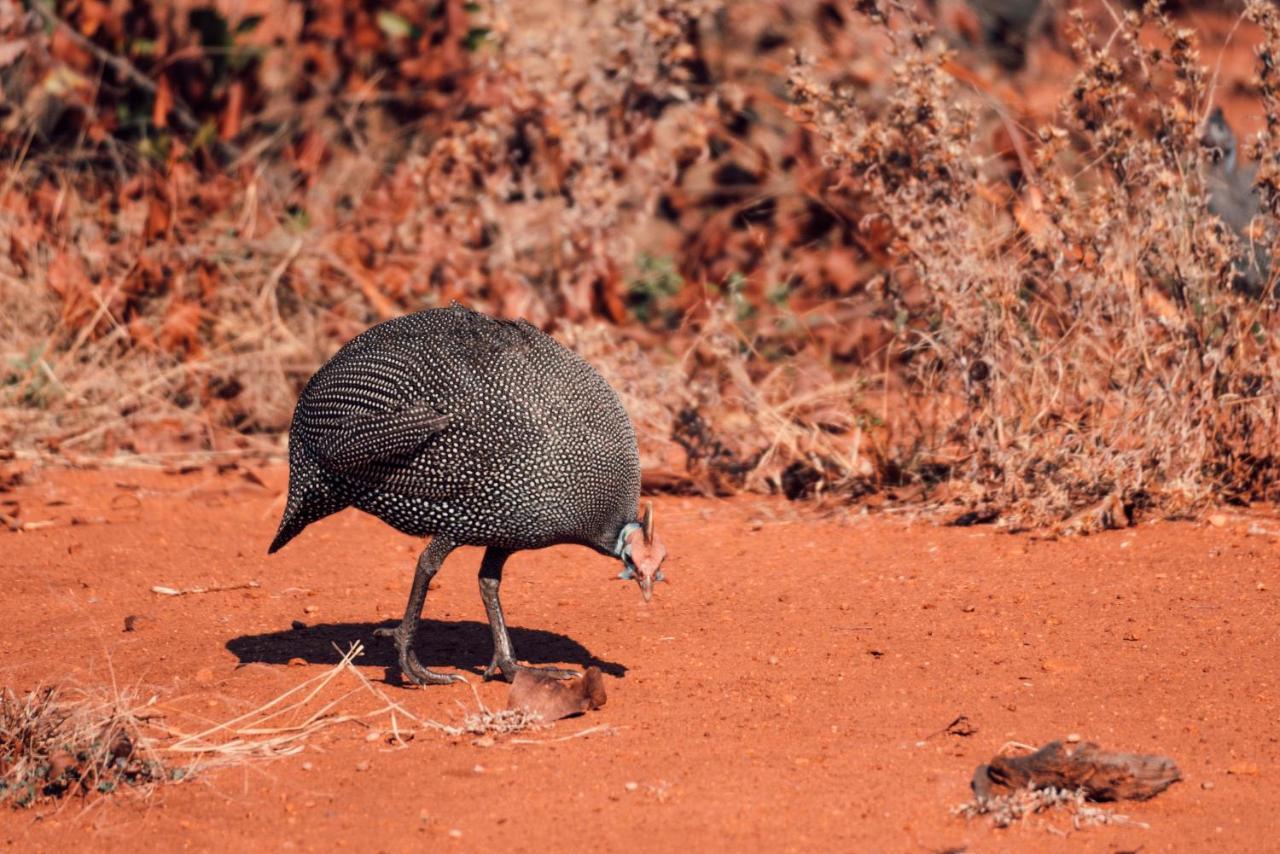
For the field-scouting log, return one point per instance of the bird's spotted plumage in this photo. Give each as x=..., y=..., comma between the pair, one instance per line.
x=1235, y=201
x=451, y=422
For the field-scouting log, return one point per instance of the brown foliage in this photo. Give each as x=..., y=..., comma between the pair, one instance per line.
x=869, y=267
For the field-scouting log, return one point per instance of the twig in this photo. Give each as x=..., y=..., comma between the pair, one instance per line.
x=217, y=588
x=591, y=730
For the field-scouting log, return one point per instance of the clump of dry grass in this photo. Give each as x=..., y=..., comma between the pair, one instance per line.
x=1019, y=806
x=61, y=742
x=56, y=742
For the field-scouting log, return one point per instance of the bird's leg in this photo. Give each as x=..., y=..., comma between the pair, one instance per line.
x=428, y=564
x=504, y=658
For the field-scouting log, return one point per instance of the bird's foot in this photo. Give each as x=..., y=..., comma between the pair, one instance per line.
x=410, y=667
x=510, y=667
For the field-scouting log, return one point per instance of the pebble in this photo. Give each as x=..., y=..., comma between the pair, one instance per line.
x=1218, y=520
x=363, y=765
x=1206, y=785
x=631, y=786
x=373, y=735
x=310, y=609
x=1073, y=738
x=455, y=833
x=307, y=766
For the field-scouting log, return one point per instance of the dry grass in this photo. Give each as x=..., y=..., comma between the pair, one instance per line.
x=839, y=276
x=1018, y=808
x=58, y=742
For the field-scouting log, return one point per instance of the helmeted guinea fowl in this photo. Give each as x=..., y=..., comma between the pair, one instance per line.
x=474, y=431
x=1233, y=199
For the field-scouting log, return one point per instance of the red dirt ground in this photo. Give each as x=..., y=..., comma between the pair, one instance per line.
x=779, y=694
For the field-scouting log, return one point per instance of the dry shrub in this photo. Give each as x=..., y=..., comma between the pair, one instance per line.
x=55, y=743
x=830, y=276
x=1079, y=339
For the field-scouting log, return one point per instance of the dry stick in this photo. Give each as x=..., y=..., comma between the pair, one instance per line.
x=217, y=588
x=324, y=679
x=127, y=69
x=579, y=734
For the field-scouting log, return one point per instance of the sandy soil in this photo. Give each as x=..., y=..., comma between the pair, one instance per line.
x=784, y=691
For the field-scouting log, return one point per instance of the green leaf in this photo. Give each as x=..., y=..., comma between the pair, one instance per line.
x=475, y=37
x=393, y=25
x=205, y=135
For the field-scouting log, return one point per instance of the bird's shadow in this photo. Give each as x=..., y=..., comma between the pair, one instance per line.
x=464, y=644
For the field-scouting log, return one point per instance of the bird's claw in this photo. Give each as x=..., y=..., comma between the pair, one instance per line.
x=508, y=670
x=410, y=667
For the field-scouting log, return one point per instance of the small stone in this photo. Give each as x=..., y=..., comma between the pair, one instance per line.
x=455, y=833
x=755, y=524
x=478, y=769
x=310, y=609
x=1243, y=769
x=969, y=609
x=1073, y=738
x=307, y=766
x=297, y=662
x=1261, y=586
x=1218, y=520
x=1207, y=785
x=363, y=765
x=484, y=741
x=773, y=659
x=137, y=622
x=372, y=735
x=630, y=786
x=298, y=625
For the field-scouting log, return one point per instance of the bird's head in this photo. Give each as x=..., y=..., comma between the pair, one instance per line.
x=1220, y=140
x=642, y=552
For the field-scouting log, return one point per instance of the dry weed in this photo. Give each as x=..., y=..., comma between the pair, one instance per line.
x=59, y=742
x=1017, y=807
x=828, y=275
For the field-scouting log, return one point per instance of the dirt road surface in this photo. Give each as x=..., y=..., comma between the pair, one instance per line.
x=787, y=690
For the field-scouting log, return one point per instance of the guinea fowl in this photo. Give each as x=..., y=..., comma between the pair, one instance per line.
x=1233, y=199
x=474, y=431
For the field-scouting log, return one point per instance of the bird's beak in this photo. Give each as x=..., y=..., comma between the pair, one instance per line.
x=646, y=586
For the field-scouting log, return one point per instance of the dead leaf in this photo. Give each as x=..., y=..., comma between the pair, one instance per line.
x=552, y=698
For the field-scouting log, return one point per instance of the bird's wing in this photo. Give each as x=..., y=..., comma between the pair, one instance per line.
x=357, y=440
